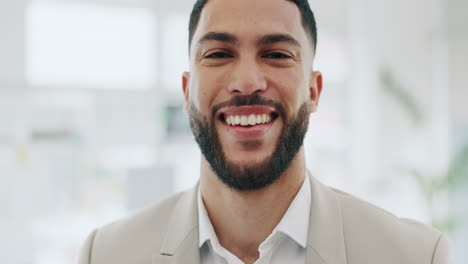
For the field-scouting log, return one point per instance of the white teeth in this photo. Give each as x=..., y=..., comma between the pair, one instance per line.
x=244, y=120
x=237, y=120
x=252, y=120
x=249, y=120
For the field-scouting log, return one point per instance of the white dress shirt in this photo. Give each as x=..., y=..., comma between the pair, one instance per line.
x=286, y=244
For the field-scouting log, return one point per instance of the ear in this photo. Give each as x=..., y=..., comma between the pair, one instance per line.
x=315, y=88
x=185, y=89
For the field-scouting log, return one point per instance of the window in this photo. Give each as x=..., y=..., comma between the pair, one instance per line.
x=76, y=45
x=174, y=55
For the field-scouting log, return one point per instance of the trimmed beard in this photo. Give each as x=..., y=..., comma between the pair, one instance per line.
x=257, y=176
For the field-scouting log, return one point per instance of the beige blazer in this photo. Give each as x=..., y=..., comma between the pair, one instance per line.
x=342, y=230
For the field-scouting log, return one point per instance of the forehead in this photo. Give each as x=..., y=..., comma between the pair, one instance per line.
x=251, y=18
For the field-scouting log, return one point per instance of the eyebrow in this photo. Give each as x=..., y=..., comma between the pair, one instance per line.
x=278, y=37
x=265, y=40
x=219, y=36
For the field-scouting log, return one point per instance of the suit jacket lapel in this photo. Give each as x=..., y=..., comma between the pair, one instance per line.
x=326, y=243
x=325, y=236
x=180, y=244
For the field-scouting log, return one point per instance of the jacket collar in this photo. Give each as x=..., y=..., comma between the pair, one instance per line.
x=326, y=243
x=180, y=244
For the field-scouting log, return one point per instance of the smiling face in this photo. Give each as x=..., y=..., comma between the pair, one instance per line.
x=251, y=89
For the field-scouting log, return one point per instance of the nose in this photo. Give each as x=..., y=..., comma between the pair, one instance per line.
x=247, y=78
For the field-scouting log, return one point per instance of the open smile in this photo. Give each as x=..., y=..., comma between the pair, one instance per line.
x=248, y=121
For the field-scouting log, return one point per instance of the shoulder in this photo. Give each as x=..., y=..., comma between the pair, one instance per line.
x=154, y=217
x=384, y=234
x=139, y=235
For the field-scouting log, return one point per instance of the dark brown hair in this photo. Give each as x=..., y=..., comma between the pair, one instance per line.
x=308, y=19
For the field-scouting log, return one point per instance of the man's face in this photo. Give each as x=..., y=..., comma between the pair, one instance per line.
x=250, y=90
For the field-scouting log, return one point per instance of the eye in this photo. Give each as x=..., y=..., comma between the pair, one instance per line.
x=218, y=55
x=277, y=55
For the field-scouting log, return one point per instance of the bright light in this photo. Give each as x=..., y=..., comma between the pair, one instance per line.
x=174, y=43
x=75, y=45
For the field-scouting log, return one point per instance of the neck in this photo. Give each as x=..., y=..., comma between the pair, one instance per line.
x=242, y=220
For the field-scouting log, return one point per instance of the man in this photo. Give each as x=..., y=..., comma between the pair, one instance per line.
x=249, y=94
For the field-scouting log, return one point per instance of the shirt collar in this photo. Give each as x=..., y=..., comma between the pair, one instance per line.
x=294, y=224
x=205, y=228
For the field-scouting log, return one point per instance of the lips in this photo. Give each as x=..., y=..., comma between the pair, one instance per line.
x=248, y=121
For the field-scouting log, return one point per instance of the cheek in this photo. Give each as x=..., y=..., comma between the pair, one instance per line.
x=200, y=90
x=210, y=85
x=289, y=78
x=292, y=86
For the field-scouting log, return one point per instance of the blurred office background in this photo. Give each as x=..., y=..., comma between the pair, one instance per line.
x=91, y=126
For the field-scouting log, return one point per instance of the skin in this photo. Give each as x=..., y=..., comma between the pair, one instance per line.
x=279, y=70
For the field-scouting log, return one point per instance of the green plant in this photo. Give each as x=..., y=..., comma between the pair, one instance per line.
x=401, y=95
x=431, y=186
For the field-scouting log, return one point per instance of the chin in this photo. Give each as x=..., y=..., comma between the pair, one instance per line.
x=247, y=162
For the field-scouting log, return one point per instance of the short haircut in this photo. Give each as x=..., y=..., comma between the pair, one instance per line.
x=308, y=19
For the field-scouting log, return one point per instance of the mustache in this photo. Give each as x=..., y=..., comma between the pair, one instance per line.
x=248, y=100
